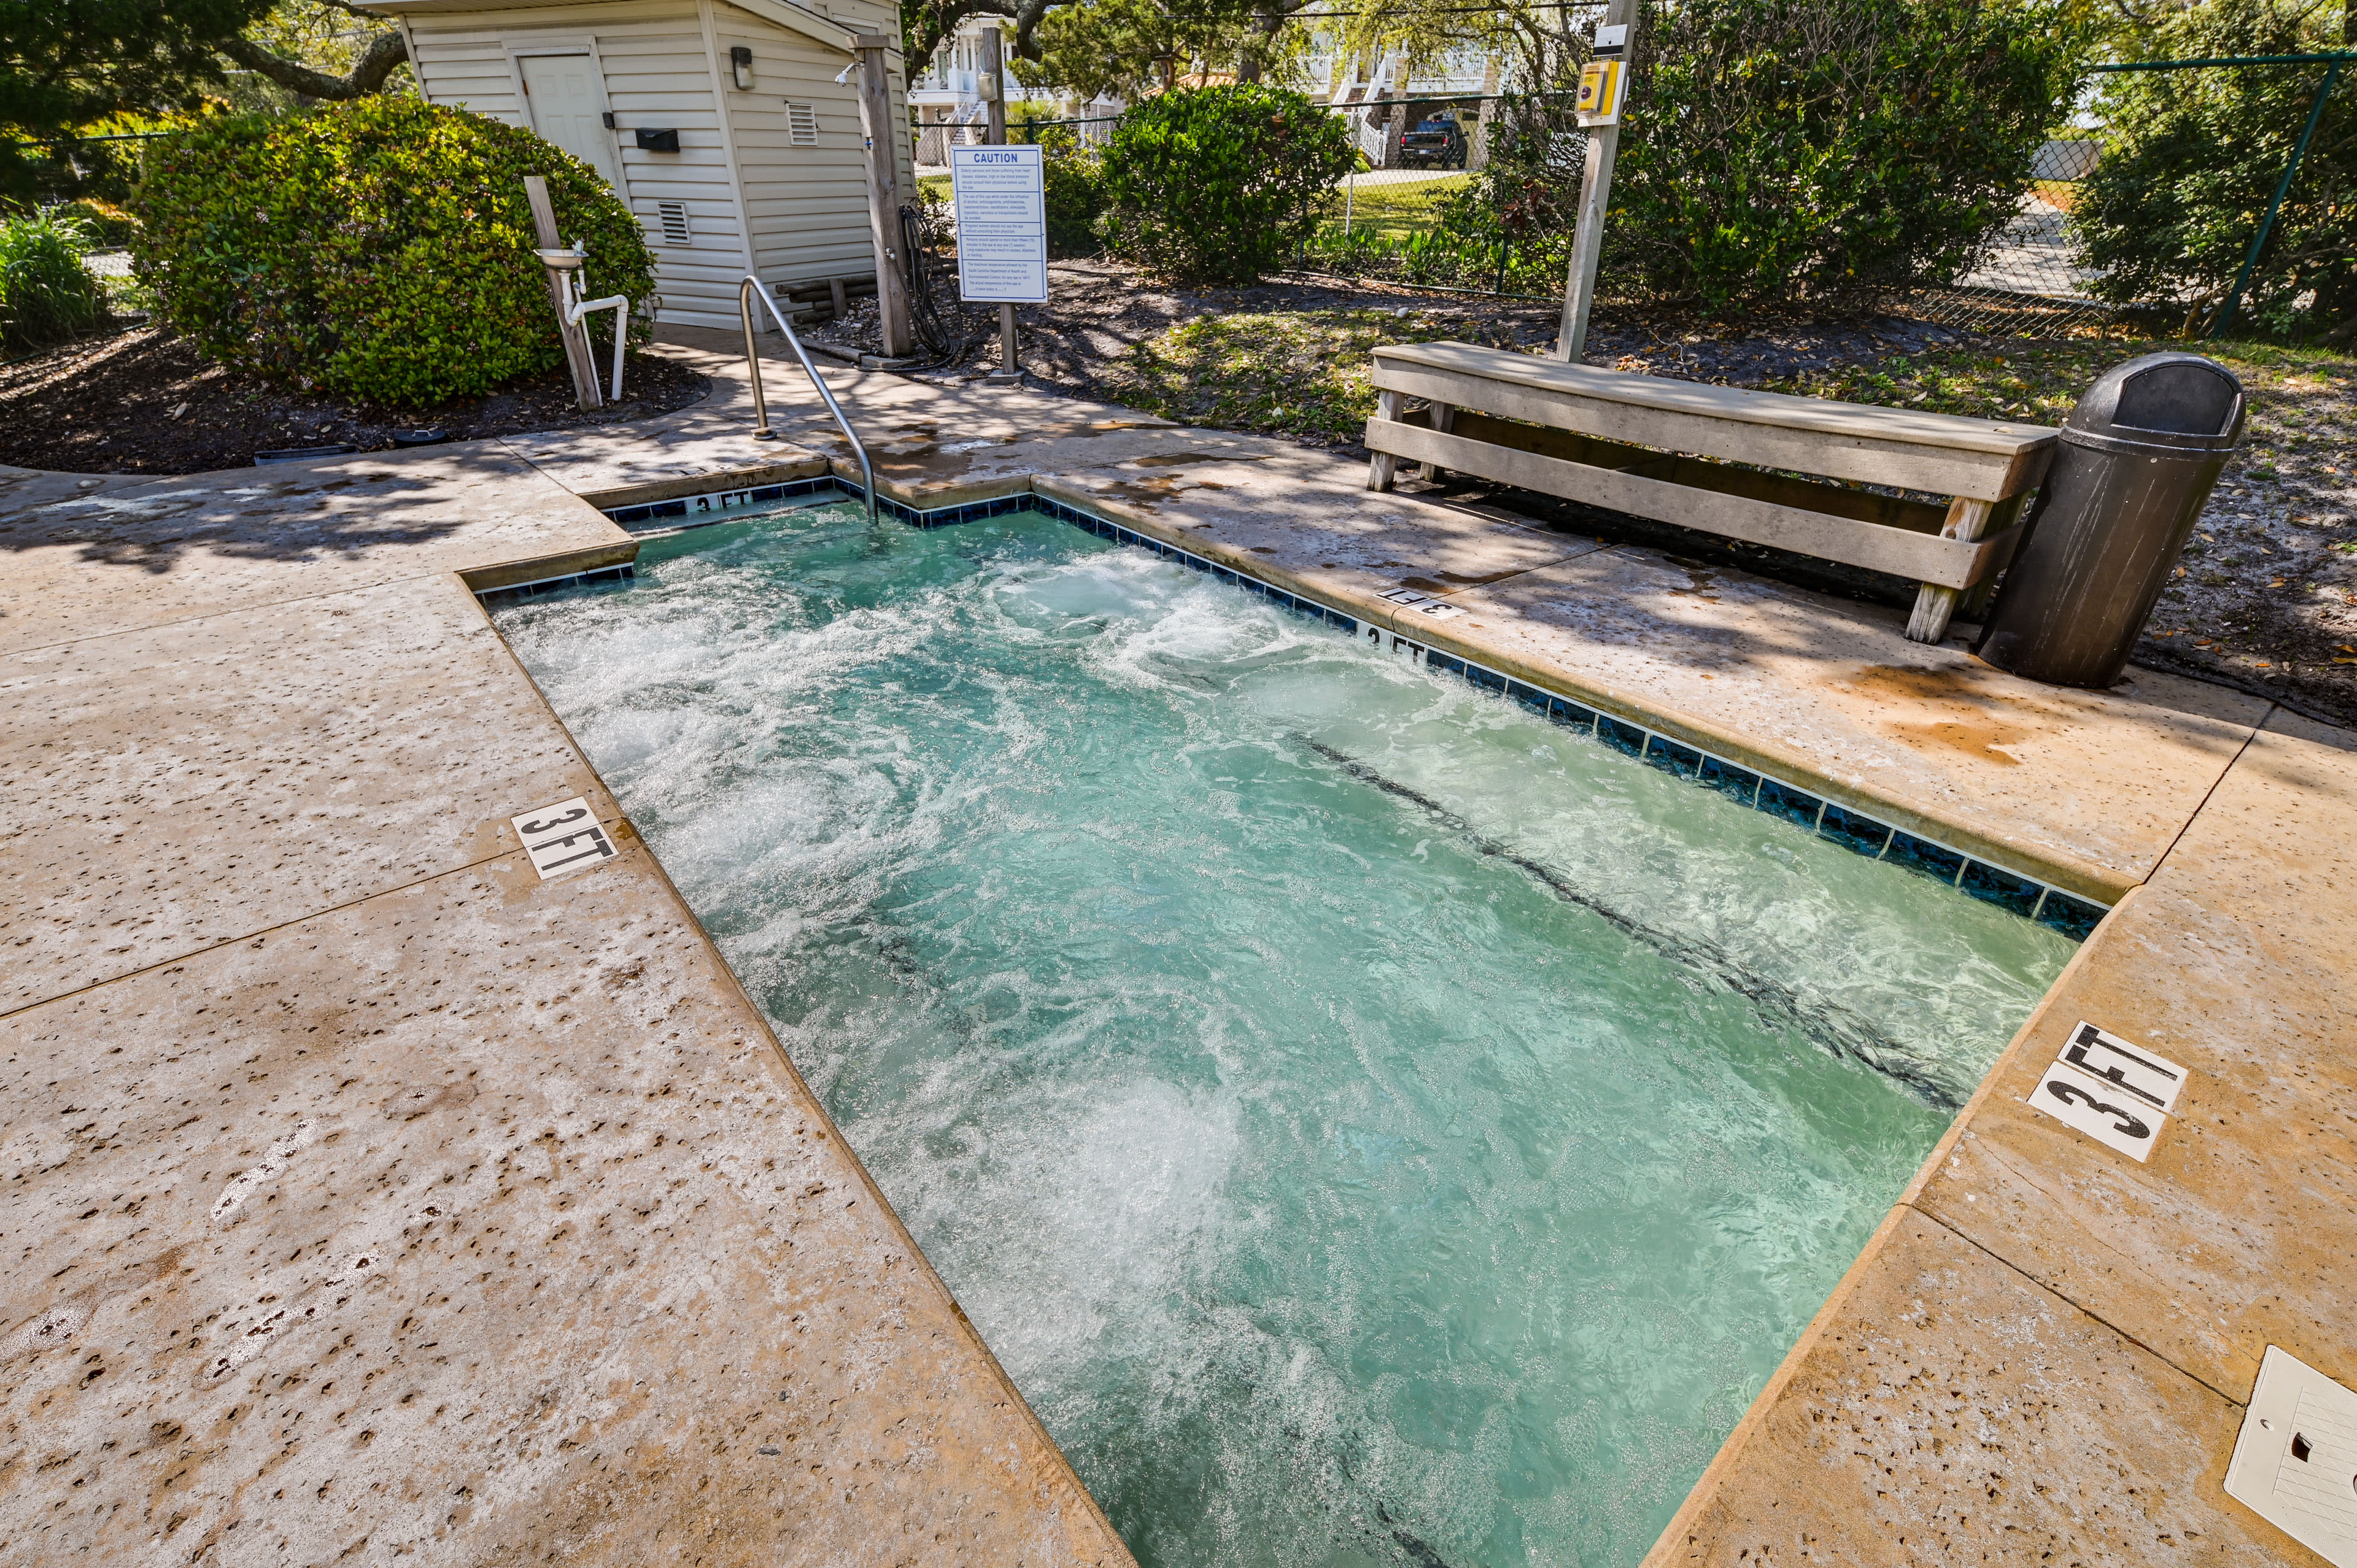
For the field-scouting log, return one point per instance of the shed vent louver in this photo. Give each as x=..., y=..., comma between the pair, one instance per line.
x=673, y=216
x=802, y=124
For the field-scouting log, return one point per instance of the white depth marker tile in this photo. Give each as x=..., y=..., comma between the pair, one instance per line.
x=2099, y=1110
x=2151, y=1078
x=563, y=837
x=2113, y=1090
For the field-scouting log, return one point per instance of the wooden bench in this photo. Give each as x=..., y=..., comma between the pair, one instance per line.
x=1722, y=460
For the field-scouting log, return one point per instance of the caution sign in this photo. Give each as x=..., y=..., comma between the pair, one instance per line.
x=1001, y=198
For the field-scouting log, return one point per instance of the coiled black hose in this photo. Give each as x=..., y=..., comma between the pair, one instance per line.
x=944, y=332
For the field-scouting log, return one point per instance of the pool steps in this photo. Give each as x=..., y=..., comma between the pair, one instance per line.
x=2029, y=896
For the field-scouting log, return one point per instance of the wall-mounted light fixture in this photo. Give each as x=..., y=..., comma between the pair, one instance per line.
x=740, y=63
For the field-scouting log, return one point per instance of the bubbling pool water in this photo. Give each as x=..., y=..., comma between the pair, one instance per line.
x=1369, y=1124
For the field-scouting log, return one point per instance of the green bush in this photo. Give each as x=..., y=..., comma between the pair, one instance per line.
x=1472, y=255
x=1074, y=187
x=1218, y=185
x=380, y=249
x=110, y=228
x=2190, y=160
x=1829, y=150
x=47, y=295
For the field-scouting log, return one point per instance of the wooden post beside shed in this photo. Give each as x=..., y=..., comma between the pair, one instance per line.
x=577, y=358
x=883, y=123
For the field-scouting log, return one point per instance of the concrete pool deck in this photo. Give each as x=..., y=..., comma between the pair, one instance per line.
x=373, y=1196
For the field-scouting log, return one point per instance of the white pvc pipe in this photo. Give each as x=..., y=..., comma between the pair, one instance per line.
x=621, y=306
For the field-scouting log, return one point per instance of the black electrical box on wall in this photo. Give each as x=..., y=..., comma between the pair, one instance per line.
x=658, y=141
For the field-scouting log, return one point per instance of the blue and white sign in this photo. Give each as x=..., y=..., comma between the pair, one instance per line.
x=1002, y=223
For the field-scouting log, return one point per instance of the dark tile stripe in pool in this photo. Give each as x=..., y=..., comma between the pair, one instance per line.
x=516, y=593
x=1852, y=830
x=713, y=502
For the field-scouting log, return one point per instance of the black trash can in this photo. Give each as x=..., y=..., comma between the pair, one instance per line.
x=2136, y=460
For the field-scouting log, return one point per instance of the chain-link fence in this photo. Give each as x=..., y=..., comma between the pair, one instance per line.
x=2183, y=192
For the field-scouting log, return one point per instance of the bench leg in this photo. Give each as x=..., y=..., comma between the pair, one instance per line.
x=1383, y=465
x=1444, y=416
x=1968, y=521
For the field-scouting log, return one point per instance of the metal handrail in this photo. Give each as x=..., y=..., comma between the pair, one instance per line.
x=761, y=431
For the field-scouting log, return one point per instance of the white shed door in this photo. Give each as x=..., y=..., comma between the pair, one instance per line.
x=567, y=109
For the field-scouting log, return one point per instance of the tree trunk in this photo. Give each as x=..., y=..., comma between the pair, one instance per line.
x=385, y=52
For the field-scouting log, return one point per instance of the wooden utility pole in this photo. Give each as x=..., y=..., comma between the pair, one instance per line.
x=1595, y=196
x=884, y=188
x=993, y=65
x=577, y=337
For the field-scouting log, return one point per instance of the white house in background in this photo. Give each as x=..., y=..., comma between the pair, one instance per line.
x=721, y=122
x=1366, y=80
x=949, y=103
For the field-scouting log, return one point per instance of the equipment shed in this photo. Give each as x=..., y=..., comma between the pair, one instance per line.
x=734, y=128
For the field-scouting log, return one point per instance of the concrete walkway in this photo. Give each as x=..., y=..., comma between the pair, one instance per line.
x=373, y=1195
x=369, y=1197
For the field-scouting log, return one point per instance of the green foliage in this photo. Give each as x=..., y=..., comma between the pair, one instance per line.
x=1439, y=230
x=380, y=249
x=1529, y=191
x=1073, y=184
x=1489, y=262
x=1217, y=185
x=2190, y=160
x=47, y=295
x=1115, y=48
x=109, y=227
x=1829, y=150
x=67, y=63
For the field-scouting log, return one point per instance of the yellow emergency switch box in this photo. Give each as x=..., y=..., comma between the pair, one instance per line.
x=1599, y=103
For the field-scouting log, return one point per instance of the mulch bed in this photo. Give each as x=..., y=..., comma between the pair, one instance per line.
x=145, y=401
x=1100, y=311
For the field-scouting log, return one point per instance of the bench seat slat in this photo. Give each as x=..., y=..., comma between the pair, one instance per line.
x=1939, y=454
x=1924, y=558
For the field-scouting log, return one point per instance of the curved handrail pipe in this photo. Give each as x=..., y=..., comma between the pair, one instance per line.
x=746, y=292
x=621, y=306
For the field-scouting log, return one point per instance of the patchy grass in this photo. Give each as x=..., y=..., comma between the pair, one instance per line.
x=2039, y=379
x=1305, y=373
x=1397, y=209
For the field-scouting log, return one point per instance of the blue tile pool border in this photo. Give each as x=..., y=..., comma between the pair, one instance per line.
x=516, y=593
x=1852, y=830
x=706, y=508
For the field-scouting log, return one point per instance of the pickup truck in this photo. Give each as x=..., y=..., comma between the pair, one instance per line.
x=1437, y=143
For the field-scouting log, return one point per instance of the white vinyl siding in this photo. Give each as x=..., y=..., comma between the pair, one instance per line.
x=806, y=205
x=464, y=69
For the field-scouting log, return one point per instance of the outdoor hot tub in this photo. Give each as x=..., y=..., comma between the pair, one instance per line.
x=1374, y=1115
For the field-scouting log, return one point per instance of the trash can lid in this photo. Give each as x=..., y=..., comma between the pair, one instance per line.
x=2167, y=403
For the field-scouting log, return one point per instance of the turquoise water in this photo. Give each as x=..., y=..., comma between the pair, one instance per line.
x=1371, y=1125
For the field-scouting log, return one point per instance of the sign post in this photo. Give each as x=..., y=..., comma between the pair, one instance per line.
x=993, y=86
x=1601, y=84
x=1001, y=199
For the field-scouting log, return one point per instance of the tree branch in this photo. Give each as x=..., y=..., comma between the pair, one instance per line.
x=376, y=62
